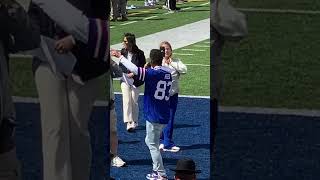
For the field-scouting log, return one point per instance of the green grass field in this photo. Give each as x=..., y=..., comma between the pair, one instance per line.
x=278, y=4
x=196, y=82
x=277, y=65
x=160, y=23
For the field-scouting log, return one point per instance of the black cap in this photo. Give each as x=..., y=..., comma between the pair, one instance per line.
x=186, y=165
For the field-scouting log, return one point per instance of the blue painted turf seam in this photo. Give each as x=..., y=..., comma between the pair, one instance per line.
x=282, y=11
x=253, y=110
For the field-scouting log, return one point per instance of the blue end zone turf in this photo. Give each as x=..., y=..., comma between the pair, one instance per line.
x=248, y=146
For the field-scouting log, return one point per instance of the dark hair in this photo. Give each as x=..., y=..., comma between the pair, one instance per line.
x=131, y=38
x=156, y=57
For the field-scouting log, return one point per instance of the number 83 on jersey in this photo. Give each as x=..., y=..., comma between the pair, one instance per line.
x=162, y=88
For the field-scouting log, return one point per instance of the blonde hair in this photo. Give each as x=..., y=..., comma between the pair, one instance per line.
x=168, y=44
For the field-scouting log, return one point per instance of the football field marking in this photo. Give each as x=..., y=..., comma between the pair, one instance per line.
x=202, y=46
x=187, y=8
x=253, y=110
x=195, y=50
x=131, y=22
x=283, y=11
x=204, y=4
x=183, y=54
x=149, y=17
x=204, y=65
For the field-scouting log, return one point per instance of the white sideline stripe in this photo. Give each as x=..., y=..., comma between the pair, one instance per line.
x=202, y=46
x=293, y=11
x=167, y=13
x=204, y=4
x=252, y=110
x=111, y=27
x=205, y=65
x=186, y=8
x=150, y=17
x=196, y=50
x=185, y=96
x=180, y=37
x=128, y=23
x=181, y=54
x=277, y=111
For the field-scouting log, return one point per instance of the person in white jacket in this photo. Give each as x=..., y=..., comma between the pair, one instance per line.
x=178, y=68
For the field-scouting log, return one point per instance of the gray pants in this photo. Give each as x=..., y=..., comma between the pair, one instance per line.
x=152, y=140
x=65, y=111
x=118, y=8
x=9, y=166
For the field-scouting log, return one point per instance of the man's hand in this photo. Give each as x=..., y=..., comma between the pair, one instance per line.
x=115, y=53
x=65, y=44
x=130, y=75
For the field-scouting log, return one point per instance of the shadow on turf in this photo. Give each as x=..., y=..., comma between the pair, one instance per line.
x=167, y=161
x=128, y=142
x=195, y=146
x=177, y=126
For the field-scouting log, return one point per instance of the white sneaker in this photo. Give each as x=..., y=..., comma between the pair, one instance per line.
x=161, y=147
x=172, y=149
x=146, y=4
x=131, y=126
x=165, y=7
x=117, y=162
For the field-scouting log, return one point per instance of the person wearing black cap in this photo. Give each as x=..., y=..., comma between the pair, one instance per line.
x=185, y=170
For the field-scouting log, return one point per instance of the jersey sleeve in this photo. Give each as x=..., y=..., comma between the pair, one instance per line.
x=142, y=73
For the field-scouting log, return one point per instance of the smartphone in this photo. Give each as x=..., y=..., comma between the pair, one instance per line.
x=162, y=49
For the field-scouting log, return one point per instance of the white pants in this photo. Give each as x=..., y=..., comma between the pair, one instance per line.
x=130, y=98
x=65, y=111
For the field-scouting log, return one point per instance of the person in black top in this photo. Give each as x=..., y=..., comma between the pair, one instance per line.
x=129, y=82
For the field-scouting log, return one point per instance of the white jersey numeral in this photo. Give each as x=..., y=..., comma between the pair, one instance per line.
x=160, y=92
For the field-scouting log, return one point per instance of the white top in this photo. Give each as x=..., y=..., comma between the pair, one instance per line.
x=125, y=78
x=177, y=68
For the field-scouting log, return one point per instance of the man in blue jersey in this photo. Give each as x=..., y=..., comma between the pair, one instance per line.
x=158, y=82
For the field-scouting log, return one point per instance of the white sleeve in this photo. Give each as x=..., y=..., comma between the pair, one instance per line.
x=129, y=65
x=69, y=18
x=179, y=66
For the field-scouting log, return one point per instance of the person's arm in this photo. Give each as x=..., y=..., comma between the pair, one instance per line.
x=179, y=66
x=69, y=18
x=115, y=69
x=129, y=65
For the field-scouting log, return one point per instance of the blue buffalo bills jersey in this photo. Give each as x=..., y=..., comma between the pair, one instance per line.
x=158, y=82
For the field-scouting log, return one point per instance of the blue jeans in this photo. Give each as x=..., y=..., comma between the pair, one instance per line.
x=166, y=135
x=153, y=131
